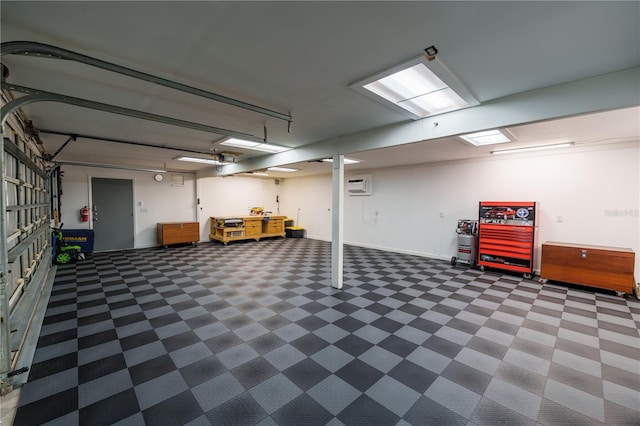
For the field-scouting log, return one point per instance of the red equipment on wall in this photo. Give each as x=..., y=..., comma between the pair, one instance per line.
x=84, y=214
x=506, y=236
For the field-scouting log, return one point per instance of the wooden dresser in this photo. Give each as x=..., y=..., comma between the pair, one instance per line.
x=178, y=233
x=608, y=268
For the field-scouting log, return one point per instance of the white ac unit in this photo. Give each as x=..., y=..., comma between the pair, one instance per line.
x=359, y=185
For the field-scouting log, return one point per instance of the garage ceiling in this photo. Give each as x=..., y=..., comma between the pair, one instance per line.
x=299, y=58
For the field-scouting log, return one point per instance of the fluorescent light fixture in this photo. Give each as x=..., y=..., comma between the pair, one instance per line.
x=266, y=147
x=258, y=146
x=346, y=160
x=534, y=148
x=201, y=160
x=418, y=88
x=240, y=143
x=281, y=169
x=488, y=137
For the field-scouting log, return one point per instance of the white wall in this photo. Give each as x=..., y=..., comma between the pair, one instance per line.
x=308, y=201
x=235, y=196
x=585, y=195
x=154, y=201
x=588, y=196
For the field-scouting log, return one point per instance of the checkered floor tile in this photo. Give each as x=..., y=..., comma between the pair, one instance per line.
x=252, y=333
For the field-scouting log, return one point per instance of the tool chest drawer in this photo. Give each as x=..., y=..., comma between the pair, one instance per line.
x=608, y=268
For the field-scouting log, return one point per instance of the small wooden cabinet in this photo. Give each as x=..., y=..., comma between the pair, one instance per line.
x=178, y=233
x=226, y=229
x=608, y=268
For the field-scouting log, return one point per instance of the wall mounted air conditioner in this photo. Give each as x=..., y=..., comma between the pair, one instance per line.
x=359, y=185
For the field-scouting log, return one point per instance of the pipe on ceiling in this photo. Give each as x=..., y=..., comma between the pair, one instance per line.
x=47, y=51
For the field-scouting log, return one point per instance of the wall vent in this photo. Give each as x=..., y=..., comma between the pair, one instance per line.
x=359, y=185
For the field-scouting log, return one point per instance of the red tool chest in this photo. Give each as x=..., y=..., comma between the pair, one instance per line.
x=506, y=235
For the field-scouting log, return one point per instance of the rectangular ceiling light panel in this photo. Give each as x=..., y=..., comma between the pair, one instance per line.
x=240, y=143
x=257, y=146
x=406, y=84
x=266, y=147
x=488, y=137
x=281, y=169
x=202, y=160
x=418, y=88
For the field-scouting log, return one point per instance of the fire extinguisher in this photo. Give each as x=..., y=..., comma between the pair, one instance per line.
x=84, y=214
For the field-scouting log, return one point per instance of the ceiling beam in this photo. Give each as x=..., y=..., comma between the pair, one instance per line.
x=601, y=93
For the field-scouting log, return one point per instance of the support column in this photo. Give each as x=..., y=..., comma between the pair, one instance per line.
x=337, y=222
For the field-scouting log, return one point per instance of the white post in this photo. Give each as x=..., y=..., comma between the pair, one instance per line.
x=337, y=222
